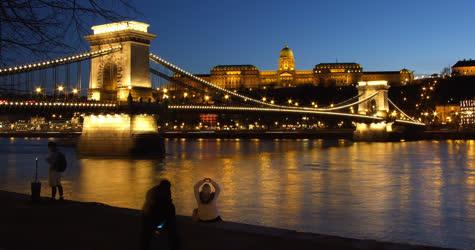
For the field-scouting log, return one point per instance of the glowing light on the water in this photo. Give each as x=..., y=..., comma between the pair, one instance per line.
x=143, y=124
x=113, y=134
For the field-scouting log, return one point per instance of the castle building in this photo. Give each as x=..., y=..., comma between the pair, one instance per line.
x=464, y=68
x=286, y=75
x=337, y=74
x=394, y=78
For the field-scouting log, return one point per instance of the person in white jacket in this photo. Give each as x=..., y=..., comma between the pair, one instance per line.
x=207, y=208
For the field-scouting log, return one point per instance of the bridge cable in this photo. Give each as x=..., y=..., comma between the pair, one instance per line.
x=15, y=69
x=175, y=68
x=402, y=112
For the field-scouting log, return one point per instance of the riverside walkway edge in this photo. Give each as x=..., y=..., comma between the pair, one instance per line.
x=89, y=226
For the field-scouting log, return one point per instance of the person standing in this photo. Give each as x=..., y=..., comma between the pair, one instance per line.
x=207, y=210
x=57, y=165
x=158, y=214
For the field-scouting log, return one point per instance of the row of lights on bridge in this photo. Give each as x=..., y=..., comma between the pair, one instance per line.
x=245, y=98
x=70, y=104
x=276, y=108
x=57, y=61
x=60, y=89
x=283, y=110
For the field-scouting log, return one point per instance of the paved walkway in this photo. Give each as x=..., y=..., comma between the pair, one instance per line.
x=76, y=225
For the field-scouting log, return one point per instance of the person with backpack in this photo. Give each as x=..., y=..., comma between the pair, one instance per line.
x=57, y=165
x=207, y=210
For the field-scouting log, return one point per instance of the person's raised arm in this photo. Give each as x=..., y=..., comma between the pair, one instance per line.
x=196, y=189
x=217, y=188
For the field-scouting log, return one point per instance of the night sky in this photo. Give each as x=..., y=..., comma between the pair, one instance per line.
x=422, y=35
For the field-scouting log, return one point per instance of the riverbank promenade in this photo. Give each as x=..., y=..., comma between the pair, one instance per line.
x=80, y=226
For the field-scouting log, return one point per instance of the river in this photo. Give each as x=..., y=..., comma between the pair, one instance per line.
x=414, y=192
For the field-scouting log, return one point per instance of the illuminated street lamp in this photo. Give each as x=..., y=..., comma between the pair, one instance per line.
x=226, y=97
x=264, y=99
x=185, y=94
x=75, y=91
x=290, y=101
x=38, y=90
x=206, y=98
x=60, y=88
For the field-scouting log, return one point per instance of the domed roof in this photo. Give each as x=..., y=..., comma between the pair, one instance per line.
x=286, y=52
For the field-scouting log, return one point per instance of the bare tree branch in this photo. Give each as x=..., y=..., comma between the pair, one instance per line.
x=44, y=28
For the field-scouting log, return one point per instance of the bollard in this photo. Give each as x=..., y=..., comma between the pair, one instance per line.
x=36, y=185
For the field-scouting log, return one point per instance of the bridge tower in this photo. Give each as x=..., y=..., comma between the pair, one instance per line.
x=377, y=106
x=125, y=70
x=114, y=76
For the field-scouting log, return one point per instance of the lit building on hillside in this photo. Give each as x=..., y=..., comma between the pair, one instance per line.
x=394, y=78
x=464, y=68
x=447, y=113
x=235, y=76
x=286, y=75
x=467, y=113
x=337, y=74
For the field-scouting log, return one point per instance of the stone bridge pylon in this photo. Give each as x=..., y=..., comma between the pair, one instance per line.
x=125, y=70
x=377, y=105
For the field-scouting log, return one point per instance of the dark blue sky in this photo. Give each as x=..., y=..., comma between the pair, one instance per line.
x=422, y=35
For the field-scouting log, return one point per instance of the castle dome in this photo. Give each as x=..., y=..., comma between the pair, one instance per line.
x=286, y=59
x=286, y=52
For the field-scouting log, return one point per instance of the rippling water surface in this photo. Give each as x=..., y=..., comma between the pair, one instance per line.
x=417, y=192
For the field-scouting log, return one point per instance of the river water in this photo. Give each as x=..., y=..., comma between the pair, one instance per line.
x=414, y=192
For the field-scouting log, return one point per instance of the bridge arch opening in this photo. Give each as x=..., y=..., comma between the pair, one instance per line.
x=372, y=107
x=109, y=77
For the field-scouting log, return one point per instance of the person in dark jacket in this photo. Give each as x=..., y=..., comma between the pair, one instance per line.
x=159, y=214
x=54, y=175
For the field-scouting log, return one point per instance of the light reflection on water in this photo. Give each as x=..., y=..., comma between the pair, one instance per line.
x=418, y=192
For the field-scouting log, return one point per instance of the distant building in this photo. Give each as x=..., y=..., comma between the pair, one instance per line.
x=235, y=76
x=394, y=78
x=467, y=113
x=447, y=113
x=337, y=74
x=464, y=68
x=323, y=74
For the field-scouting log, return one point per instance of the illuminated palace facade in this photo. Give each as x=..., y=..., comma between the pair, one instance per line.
x=323, y=74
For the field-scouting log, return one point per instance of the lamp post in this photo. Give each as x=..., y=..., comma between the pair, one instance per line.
x=60, y=90
x=38, y=91
x=75, y=92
